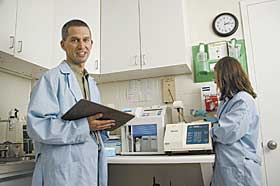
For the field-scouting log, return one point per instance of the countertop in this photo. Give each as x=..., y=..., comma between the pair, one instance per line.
x=162, y=159
x=16, y=169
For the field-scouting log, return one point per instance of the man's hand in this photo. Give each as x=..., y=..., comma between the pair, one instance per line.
x=95, y=124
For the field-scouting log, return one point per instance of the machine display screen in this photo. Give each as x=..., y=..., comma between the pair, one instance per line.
x=144, y=130
x=198, y=134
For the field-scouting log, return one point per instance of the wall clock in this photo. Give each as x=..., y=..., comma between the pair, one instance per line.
x=225, y=24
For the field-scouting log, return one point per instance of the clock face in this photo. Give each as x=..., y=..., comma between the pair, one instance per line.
x=225, y=24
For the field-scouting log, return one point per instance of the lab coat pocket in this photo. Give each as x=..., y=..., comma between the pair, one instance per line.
x=37, y=157
x=64, y=175
x=76, y=174
x=253, y=172
x=56, y=176
x=230, y=176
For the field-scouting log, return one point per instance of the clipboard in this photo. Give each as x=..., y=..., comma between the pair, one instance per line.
x=84, y=108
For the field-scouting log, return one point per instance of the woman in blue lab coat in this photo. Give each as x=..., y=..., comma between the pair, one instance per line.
x=236, y=134
x=68, y=153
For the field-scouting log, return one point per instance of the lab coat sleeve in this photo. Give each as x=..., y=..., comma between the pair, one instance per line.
x=44, y=124
x=232, y=125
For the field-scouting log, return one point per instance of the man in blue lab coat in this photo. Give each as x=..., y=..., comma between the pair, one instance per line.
x=68, y=153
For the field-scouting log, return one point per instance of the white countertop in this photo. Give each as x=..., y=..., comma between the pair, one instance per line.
x=162, y=159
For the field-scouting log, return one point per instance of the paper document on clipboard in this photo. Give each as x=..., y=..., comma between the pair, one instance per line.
x=85, y=108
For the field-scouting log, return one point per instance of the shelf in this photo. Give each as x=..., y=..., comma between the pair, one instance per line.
x=162, y=159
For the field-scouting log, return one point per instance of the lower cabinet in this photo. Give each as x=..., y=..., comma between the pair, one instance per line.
x=163, y=175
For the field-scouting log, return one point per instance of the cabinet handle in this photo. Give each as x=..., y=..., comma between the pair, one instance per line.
x=143, y=58
x=19, y=46
x=12, y=42
x=96, y=64
x=135, y=60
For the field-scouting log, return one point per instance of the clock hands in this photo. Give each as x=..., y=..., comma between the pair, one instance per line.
x=228, y=23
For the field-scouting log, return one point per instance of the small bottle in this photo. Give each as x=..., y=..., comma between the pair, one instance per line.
x=17, y=151
x=203, y=65
x=137, y=145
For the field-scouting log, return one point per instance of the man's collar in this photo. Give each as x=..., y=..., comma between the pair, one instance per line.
x=77, y=69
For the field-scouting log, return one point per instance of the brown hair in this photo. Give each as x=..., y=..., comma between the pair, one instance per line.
x=231, y=78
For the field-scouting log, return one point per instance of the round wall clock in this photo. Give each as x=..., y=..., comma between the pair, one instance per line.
x=225, y=24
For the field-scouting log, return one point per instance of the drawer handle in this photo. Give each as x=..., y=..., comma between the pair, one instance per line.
x=12, y=42
x=19, y=46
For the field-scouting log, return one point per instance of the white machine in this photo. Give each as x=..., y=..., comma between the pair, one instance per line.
x=188, y=137
x=13, y=128
x=143, y=135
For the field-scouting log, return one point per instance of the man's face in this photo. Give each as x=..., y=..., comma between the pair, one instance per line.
x=77, y=45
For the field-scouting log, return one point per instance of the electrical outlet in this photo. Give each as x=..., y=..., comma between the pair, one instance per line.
x=168, y=90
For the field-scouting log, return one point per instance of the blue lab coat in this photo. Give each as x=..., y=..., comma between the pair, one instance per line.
x=235, y=139
x=66, y=153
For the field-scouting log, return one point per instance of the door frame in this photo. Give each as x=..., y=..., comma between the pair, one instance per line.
x=244, y=4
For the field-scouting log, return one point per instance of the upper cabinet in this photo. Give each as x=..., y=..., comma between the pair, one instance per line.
x=27, y=30
x=162, y=33
x=120, y=39
x=143, y=34
x=34, y=30
x=131, y=38
x=86, y=10
x=8, y=12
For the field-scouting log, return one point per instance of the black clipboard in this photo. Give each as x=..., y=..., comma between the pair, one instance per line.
x=85, y=108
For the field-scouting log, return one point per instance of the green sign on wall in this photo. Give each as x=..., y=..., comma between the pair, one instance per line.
x=203, y=66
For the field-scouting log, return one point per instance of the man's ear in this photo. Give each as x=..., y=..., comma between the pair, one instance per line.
x=62, y=44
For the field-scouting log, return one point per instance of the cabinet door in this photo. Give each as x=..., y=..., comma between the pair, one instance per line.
x=88, y=11
x=8, y=10
x=34, y=31
x=162, y=33
x=120, y=43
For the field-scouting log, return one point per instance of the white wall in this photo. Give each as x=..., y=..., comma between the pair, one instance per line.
x=14, y=93
x=202, y=13
x=200, y=16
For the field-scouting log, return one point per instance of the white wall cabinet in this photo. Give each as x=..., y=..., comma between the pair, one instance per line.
x=28, y=34
x=163, y=40
x=86, y=10
x=143, y=34
x=8, y=14
x=120, y=39
x=137, y=35
x=34, y=31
